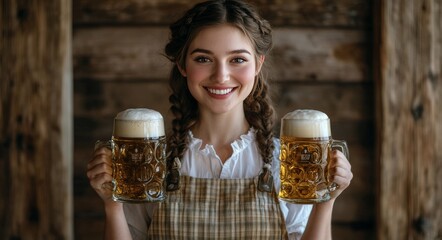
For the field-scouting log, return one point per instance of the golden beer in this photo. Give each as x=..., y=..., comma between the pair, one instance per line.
x=139, y=169
x=306, y=144
x=138, y=156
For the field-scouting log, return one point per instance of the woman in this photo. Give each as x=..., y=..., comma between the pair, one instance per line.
x=223, y=167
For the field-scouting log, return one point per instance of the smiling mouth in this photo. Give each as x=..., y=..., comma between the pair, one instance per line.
x=220, y=91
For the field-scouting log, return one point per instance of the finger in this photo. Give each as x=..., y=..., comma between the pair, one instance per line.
x=99, y=169
x=102, y=150
x=338, y=155
x=339, y=159
x=339, y=170
x=100, y=158
x=340, y=173
x=99, y=180
x=342, y=182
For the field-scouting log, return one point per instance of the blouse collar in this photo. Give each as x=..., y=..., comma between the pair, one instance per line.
x=238, y=145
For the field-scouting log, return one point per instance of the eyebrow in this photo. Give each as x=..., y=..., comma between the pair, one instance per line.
x=200, y=50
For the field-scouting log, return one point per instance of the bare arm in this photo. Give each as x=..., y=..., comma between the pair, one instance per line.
x=116, y=225
x=319, y=222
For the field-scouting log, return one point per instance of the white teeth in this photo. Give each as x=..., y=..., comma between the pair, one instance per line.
x=220, y=91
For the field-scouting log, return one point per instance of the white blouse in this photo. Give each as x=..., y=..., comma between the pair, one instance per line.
x=246, y=162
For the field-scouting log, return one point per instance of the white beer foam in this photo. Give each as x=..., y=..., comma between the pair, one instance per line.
x=305, y=123
x=139, y=123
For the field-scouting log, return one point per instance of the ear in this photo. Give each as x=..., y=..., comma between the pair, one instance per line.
x=182, y=71
x=259, y=63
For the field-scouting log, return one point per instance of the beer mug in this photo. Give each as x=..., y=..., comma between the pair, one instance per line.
x=306, y=146
x=138, y=147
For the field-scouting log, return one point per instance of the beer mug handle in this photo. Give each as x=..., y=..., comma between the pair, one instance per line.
x=340, y=145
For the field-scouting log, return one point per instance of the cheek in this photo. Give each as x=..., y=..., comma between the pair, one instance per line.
x=247, y=75
x=196, y=74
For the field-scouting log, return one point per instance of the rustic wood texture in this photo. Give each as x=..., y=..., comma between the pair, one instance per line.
x=35, y=120
x=410, y=110
x=305, y=13
x=321, y=60
x=102, y=99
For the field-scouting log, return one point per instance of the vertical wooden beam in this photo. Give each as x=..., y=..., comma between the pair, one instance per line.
x=409, y=107
x=36, y=120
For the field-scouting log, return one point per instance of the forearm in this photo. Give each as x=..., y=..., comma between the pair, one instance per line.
x=115, y=223
x=319, y=223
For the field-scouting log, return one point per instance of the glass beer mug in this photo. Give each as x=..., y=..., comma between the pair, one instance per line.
x=306, y=146
x=138, y=147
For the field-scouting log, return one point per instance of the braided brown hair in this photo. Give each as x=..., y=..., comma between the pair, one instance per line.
x=257, y=106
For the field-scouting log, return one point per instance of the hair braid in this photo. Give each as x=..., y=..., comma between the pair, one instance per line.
x=260, y=114
x=183, y=107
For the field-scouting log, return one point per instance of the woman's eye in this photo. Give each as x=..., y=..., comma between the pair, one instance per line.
x=239, y=60
x=202, y=59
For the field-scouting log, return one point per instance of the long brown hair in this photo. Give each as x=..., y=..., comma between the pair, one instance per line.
x=257, y=106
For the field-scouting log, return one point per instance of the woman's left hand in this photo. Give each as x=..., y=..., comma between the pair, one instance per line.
x=339, y=172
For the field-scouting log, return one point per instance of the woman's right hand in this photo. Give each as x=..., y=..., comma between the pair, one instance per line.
x=99, y=172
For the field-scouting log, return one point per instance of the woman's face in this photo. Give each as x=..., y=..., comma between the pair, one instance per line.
x=221, y=68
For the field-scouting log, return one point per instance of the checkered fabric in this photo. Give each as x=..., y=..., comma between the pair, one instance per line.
x=218, y=209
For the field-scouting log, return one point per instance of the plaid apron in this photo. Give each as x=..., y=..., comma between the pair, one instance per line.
x=218, y=209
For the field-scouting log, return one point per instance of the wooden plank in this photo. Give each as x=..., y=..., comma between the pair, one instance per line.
x=299, y=54
x=94, y=99
x=87, y=228
x=319, y=55
x=36, y=120
x=360, y=231
x=408, y=89
x=342, y=102
x=120, y=53
x=348, y=105
x=318, y=13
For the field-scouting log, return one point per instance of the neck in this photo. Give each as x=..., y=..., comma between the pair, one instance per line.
x=220, y=130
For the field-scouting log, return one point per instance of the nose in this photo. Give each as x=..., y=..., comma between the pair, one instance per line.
x=221, y=73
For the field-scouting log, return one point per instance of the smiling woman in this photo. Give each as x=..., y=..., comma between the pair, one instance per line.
x=223, y=167
x=118, y=64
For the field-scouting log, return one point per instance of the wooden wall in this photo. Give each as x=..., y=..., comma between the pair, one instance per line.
x=408, y=67
x=321, y=60
x=36, y=138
